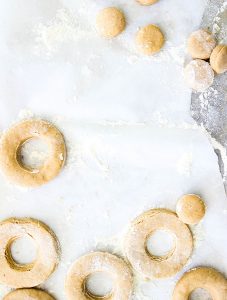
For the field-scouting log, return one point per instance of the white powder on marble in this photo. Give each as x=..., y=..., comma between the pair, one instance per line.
x=219, y=28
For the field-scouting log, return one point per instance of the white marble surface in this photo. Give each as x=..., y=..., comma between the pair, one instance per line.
x=132, y=143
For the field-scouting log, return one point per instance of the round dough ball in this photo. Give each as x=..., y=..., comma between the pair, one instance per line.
x=147, y=2
x=198, y=75
x=110, y=22
x=150, y=39
x=218, y=59
x=201, y=43
x=190, y=209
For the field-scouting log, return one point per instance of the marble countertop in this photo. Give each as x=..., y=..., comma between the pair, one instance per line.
x=132, y=144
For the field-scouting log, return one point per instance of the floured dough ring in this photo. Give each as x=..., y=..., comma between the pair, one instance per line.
x=150, y=266
x=110, y=22
x=190, y=209
x=218, y=59
x=29, y=294
x=11, y=143
x=17, y=275
x=147, y=2
x=99, y=262
x=200, y=44
x=198, y=75
x=150, y=39
x=206, y=278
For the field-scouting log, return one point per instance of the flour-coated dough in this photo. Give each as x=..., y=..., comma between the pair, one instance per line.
x=14, y=138
x=207, y=278
x=110, y=22
x=200, y=44
x=147, y=2
x=150, y=39
x=198, y=75
x=142, y=227
x=99, y=262
x=218, y=59
x=190, y=209
x=28, y=294
x=16, y=275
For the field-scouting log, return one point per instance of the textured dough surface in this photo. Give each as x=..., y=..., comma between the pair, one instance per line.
x=140, y=230
x=28, y=294
x=200, y=44
x=150, y=39
x=110, y=22
x=190, y=209
x=29, y=275
x=198, y=75
x=11, y=142
x=218, y=59
x=147, y=2
x=99, y=262
x=207, y=278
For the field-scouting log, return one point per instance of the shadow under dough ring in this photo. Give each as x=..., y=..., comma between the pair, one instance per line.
x=17, y=275
x=23, y=294
x=99, y=262
x=148, y=265
x=207, y=278
x=10, y=146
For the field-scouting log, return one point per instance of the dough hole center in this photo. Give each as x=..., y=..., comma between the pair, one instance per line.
x=200, y=294
x=33, y=153
x=22, y=252
x=99, y=285
x=160, y=244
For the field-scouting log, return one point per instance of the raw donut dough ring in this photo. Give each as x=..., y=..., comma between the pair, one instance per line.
x=142, y=227
x=110, y=22
x=99, y=262
x=23, y=294
x=200, y=44
x=218, y=59
x=190, y=209
x=15, y=137
x=17, y=275
x=206, y=278
x=150, y=39
x=147, y=2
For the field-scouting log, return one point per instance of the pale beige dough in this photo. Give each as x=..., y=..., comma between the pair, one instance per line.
x=207, y=278
x=99, y=262
x=190, y=209
x=141, y=229
x=28, y=294
x=218, y=59
x=110, y=22
x=150, y=39
x=200, y=44
x=14, y=138
x=198, y=75
x=147, y=2
x=29, y=275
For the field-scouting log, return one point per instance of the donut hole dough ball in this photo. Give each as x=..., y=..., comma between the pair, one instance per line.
x=147, y=2
x=32, y=294
x=148, y=265
x=16, y=275
x=200, y=44
x=190, y=209
x=198, y=75
x=218, y=59
x=149, y=39
x=110, y=22
x=10, y=152
x=206, y=278
x=93, y=263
